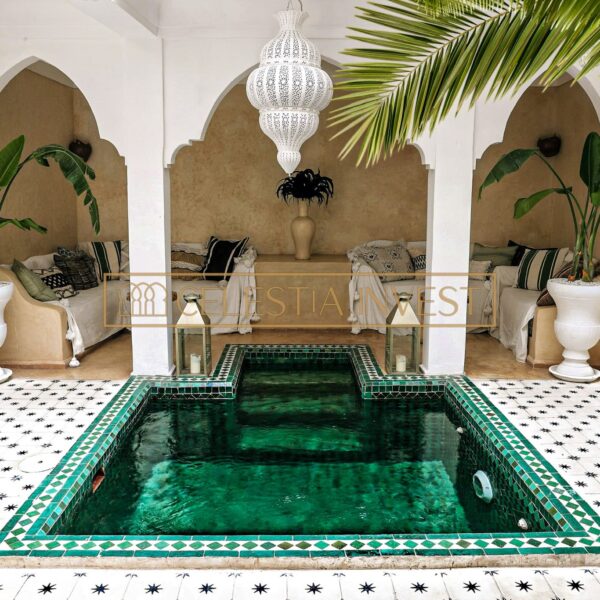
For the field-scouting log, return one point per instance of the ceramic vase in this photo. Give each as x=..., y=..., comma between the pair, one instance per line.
x=303, y=232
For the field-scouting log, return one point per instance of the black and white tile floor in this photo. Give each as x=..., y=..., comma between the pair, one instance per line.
x=39, y=421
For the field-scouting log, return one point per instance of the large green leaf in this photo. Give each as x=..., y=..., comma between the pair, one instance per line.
x=76, y=171
x=413, y=68
x=24, y=224
x=589, y=170
x=509, y=163
x=10, y=156
x=524, y=205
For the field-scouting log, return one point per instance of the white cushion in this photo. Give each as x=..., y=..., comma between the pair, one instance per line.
x=44, y=261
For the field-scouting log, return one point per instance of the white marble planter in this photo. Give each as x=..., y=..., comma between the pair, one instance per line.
x=6, y=292
x=577, y=327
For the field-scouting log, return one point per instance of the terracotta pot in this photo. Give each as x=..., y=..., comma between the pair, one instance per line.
x=577, y=327
x=303, y=232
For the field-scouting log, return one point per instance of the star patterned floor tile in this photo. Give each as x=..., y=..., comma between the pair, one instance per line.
x=222, y=584
x=41, y=419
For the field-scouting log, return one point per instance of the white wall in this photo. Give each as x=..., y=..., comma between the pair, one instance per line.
x=151, y=97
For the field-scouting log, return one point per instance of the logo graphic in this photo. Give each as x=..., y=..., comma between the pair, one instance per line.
x=336, y=300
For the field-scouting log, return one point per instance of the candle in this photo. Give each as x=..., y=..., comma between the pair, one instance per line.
x=195, y=364
x=400, y=363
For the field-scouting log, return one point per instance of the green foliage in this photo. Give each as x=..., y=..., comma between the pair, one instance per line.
x=417, y=64
x=586, y=216
x=509, y=163
x=75, y=170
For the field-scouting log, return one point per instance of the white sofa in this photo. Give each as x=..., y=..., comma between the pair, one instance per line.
x=47, y=334
x=371, y=300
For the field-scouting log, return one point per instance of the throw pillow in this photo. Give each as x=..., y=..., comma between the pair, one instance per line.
x=221, y=255
x=545, y=299
x=479, y=269
x=33, y=283
x=499, y=256
x=538, y=266
x=107, y=255
x=189, y=259
x=419, y=258
x=519, y=253
x=394, y=260
x=78, y=267
x=55, y=279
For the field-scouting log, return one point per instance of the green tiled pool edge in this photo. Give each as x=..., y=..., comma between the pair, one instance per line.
x=28, y=533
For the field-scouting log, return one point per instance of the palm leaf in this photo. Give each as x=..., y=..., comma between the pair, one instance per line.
x=24, y=224
x=10, y=156
x=76, y=171
x=524, y=205
x=509, y=163
x=414, y=68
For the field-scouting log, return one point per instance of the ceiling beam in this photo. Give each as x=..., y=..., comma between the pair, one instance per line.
x=119, y=16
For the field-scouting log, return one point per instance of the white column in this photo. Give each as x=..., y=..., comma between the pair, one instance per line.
x=148, y=204
x=448, y=241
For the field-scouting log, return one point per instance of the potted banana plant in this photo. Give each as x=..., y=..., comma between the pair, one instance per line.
x=75, y=170
x=305, y=187
x=577, y=297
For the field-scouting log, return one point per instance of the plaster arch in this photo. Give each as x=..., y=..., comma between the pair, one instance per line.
x=424, y=145
x=491, y=117
x=100, y=97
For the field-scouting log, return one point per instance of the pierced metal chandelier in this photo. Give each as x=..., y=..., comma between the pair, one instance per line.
x=289, y=88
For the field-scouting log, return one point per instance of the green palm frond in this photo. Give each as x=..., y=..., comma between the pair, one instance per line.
x=415, y=67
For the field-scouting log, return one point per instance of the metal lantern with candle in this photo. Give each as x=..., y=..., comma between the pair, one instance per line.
x=192, y=339
x=403, y=338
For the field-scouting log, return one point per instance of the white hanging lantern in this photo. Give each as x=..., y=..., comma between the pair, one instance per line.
x=289, y=88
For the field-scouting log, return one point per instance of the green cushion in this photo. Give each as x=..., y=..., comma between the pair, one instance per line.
x=500, y=257
x=33, y=283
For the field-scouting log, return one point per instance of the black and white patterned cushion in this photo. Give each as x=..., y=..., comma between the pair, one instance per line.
x=55, y=279
x=391, y=263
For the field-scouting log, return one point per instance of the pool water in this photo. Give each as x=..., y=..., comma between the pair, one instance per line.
x=298, y=452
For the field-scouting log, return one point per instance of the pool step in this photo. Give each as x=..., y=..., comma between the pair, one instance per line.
x=286, y=438
x=291, y=404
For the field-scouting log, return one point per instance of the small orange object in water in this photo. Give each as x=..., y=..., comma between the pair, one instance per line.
x=97, y=481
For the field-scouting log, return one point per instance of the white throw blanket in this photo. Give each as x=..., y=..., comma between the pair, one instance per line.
x=240, y=299
x=73, y=334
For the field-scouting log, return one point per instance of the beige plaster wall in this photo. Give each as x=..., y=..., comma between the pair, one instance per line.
x=564, y=110
x=225, y=186
x=49, y=112
x=110, y=185
x=42, y=110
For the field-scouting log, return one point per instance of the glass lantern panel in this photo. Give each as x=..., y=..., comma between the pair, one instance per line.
x=402, y=352
x=193, y=351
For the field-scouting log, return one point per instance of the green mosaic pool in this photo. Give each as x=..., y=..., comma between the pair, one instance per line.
x=299, y=451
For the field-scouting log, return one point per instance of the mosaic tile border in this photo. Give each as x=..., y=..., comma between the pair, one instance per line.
x=30, y=531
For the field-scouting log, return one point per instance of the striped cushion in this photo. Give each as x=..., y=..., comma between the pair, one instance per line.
x=189, y=259
x=107, y=255
x=220, y=260
x=537, y=266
